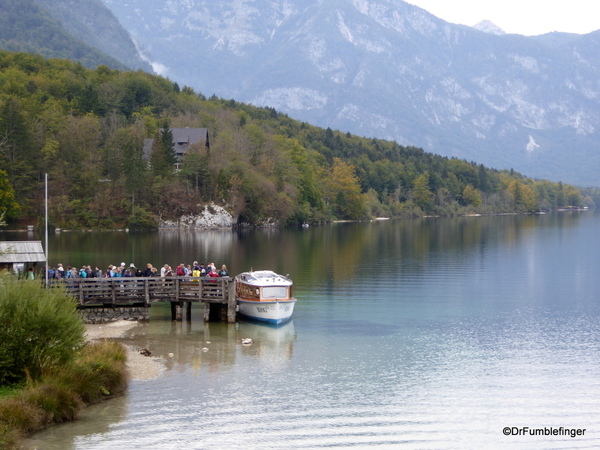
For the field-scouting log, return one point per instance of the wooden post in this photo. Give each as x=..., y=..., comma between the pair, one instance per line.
x=231, y=303
x=80, y=293
x=173, y=311
x=147, y=292
x=114, y=292
x=206, y=311
x=188, y=312
x=178, y=311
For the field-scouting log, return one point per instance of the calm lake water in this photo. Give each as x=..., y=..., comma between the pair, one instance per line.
x=418, y=334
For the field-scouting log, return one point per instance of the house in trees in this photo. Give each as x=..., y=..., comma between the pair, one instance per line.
x=183, y=139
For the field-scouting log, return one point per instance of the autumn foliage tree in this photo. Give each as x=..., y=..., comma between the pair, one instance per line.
x=86, y=129
x=522, y=197
x=342, y=191
x=422, y=195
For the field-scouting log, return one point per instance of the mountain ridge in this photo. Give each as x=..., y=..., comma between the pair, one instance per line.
x=25, y=26
x=93, y=23
x=390, y=70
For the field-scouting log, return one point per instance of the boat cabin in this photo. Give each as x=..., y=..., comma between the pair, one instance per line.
x=263, y=286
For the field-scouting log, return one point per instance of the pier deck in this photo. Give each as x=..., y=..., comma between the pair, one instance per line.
x=124, y=292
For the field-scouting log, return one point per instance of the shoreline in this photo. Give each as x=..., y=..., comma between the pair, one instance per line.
x=140, y=367
x=236, y=227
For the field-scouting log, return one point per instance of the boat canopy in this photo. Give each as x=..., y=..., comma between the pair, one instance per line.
x=264, y=278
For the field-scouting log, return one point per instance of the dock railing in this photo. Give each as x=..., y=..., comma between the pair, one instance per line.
x=142, y=290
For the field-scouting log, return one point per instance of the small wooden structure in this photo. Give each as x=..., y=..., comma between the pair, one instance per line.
x=19, y=256
x=217, y=294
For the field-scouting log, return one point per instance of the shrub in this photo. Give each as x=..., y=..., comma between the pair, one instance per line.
x=98, y=372
x=39, y=329
x=56, y=403
x=141, y=219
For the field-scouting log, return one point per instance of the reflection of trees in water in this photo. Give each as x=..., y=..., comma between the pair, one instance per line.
x=339, y=251
x=157, y=248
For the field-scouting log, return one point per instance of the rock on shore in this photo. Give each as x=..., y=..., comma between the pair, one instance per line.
x=213, y=217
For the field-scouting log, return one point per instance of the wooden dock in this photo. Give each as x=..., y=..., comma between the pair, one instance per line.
x=217, y=294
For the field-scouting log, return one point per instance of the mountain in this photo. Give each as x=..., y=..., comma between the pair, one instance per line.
x=388, y=69
x=25, y=26
x=85, y=31
x=94, y=24
x=489, y=27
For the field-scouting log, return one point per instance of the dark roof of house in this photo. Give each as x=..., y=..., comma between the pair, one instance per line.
x=21, y=252
x=182, y=138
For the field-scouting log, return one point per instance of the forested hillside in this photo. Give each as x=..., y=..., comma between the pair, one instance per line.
x=27, y=27
x=86, y=129
x=93, y=23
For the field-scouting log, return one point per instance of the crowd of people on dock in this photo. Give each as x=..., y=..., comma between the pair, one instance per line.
x=195, y=270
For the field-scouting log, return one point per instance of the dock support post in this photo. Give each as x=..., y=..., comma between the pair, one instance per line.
x=81, y=302
x=206, y=311
x=173, y=311
x=113, y=292
x=146, y=292
x=231, y=303
x=188, y=311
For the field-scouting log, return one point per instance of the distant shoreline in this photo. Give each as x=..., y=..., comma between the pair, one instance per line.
x=127, y=230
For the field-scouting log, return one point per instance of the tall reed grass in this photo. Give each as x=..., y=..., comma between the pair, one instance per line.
x=61, y=393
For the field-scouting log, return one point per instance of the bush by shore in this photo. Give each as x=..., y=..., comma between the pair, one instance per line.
x=45, y=359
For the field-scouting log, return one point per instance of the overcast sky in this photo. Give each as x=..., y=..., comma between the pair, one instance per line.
x=528, y=17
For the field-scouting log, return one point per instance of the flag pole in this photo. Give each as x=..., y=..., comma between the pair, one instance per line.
x=46, y=213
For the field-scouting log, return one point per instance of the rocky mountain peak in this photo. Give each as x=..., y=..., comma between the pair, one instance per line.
x=388, y=69
x=489, y=27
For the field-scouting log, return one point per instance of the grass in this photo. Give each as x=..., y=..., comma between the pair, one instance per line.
x=47, y=371
x=59, y=395
x=6, y=391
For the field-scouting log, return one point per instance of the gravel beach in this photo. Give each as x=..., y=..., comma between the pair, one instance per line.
x=140, y=367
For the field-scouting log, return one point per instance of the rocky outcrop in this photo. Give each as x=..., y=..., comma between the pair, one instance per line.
x=212, y=217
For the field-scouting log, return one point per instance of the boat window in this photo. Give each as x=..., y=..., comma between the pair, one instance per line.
x=274, y=292
x=245, y=291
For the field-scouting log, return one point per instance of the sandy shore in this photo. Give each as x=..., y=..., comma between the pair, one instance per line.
x=140, y=367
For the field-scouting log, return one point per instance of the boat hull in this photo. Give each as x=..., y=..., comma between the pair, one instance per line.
x=270, y=312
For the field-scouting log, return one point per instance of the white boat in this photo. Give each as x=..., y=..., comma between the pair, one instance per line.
x=265, y=296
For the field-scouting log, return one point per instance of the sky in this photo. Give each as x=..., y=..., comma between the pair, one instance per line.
x=528, y=17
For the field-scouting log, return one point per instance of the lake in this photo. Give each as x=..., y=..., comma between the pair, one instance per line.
x=434, y=333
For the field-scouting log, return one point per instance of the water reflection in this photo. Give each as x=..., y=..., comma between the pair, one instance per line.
x=211, y=346
x=337, y=250
x=431, y=333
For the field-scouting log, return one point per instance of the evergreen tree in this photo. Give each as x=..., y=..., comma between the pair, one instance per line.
x=167, y=145
x=157, y=157
x=194, y=169
x=133, y=164
x=16, y=146
x=9, y=208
